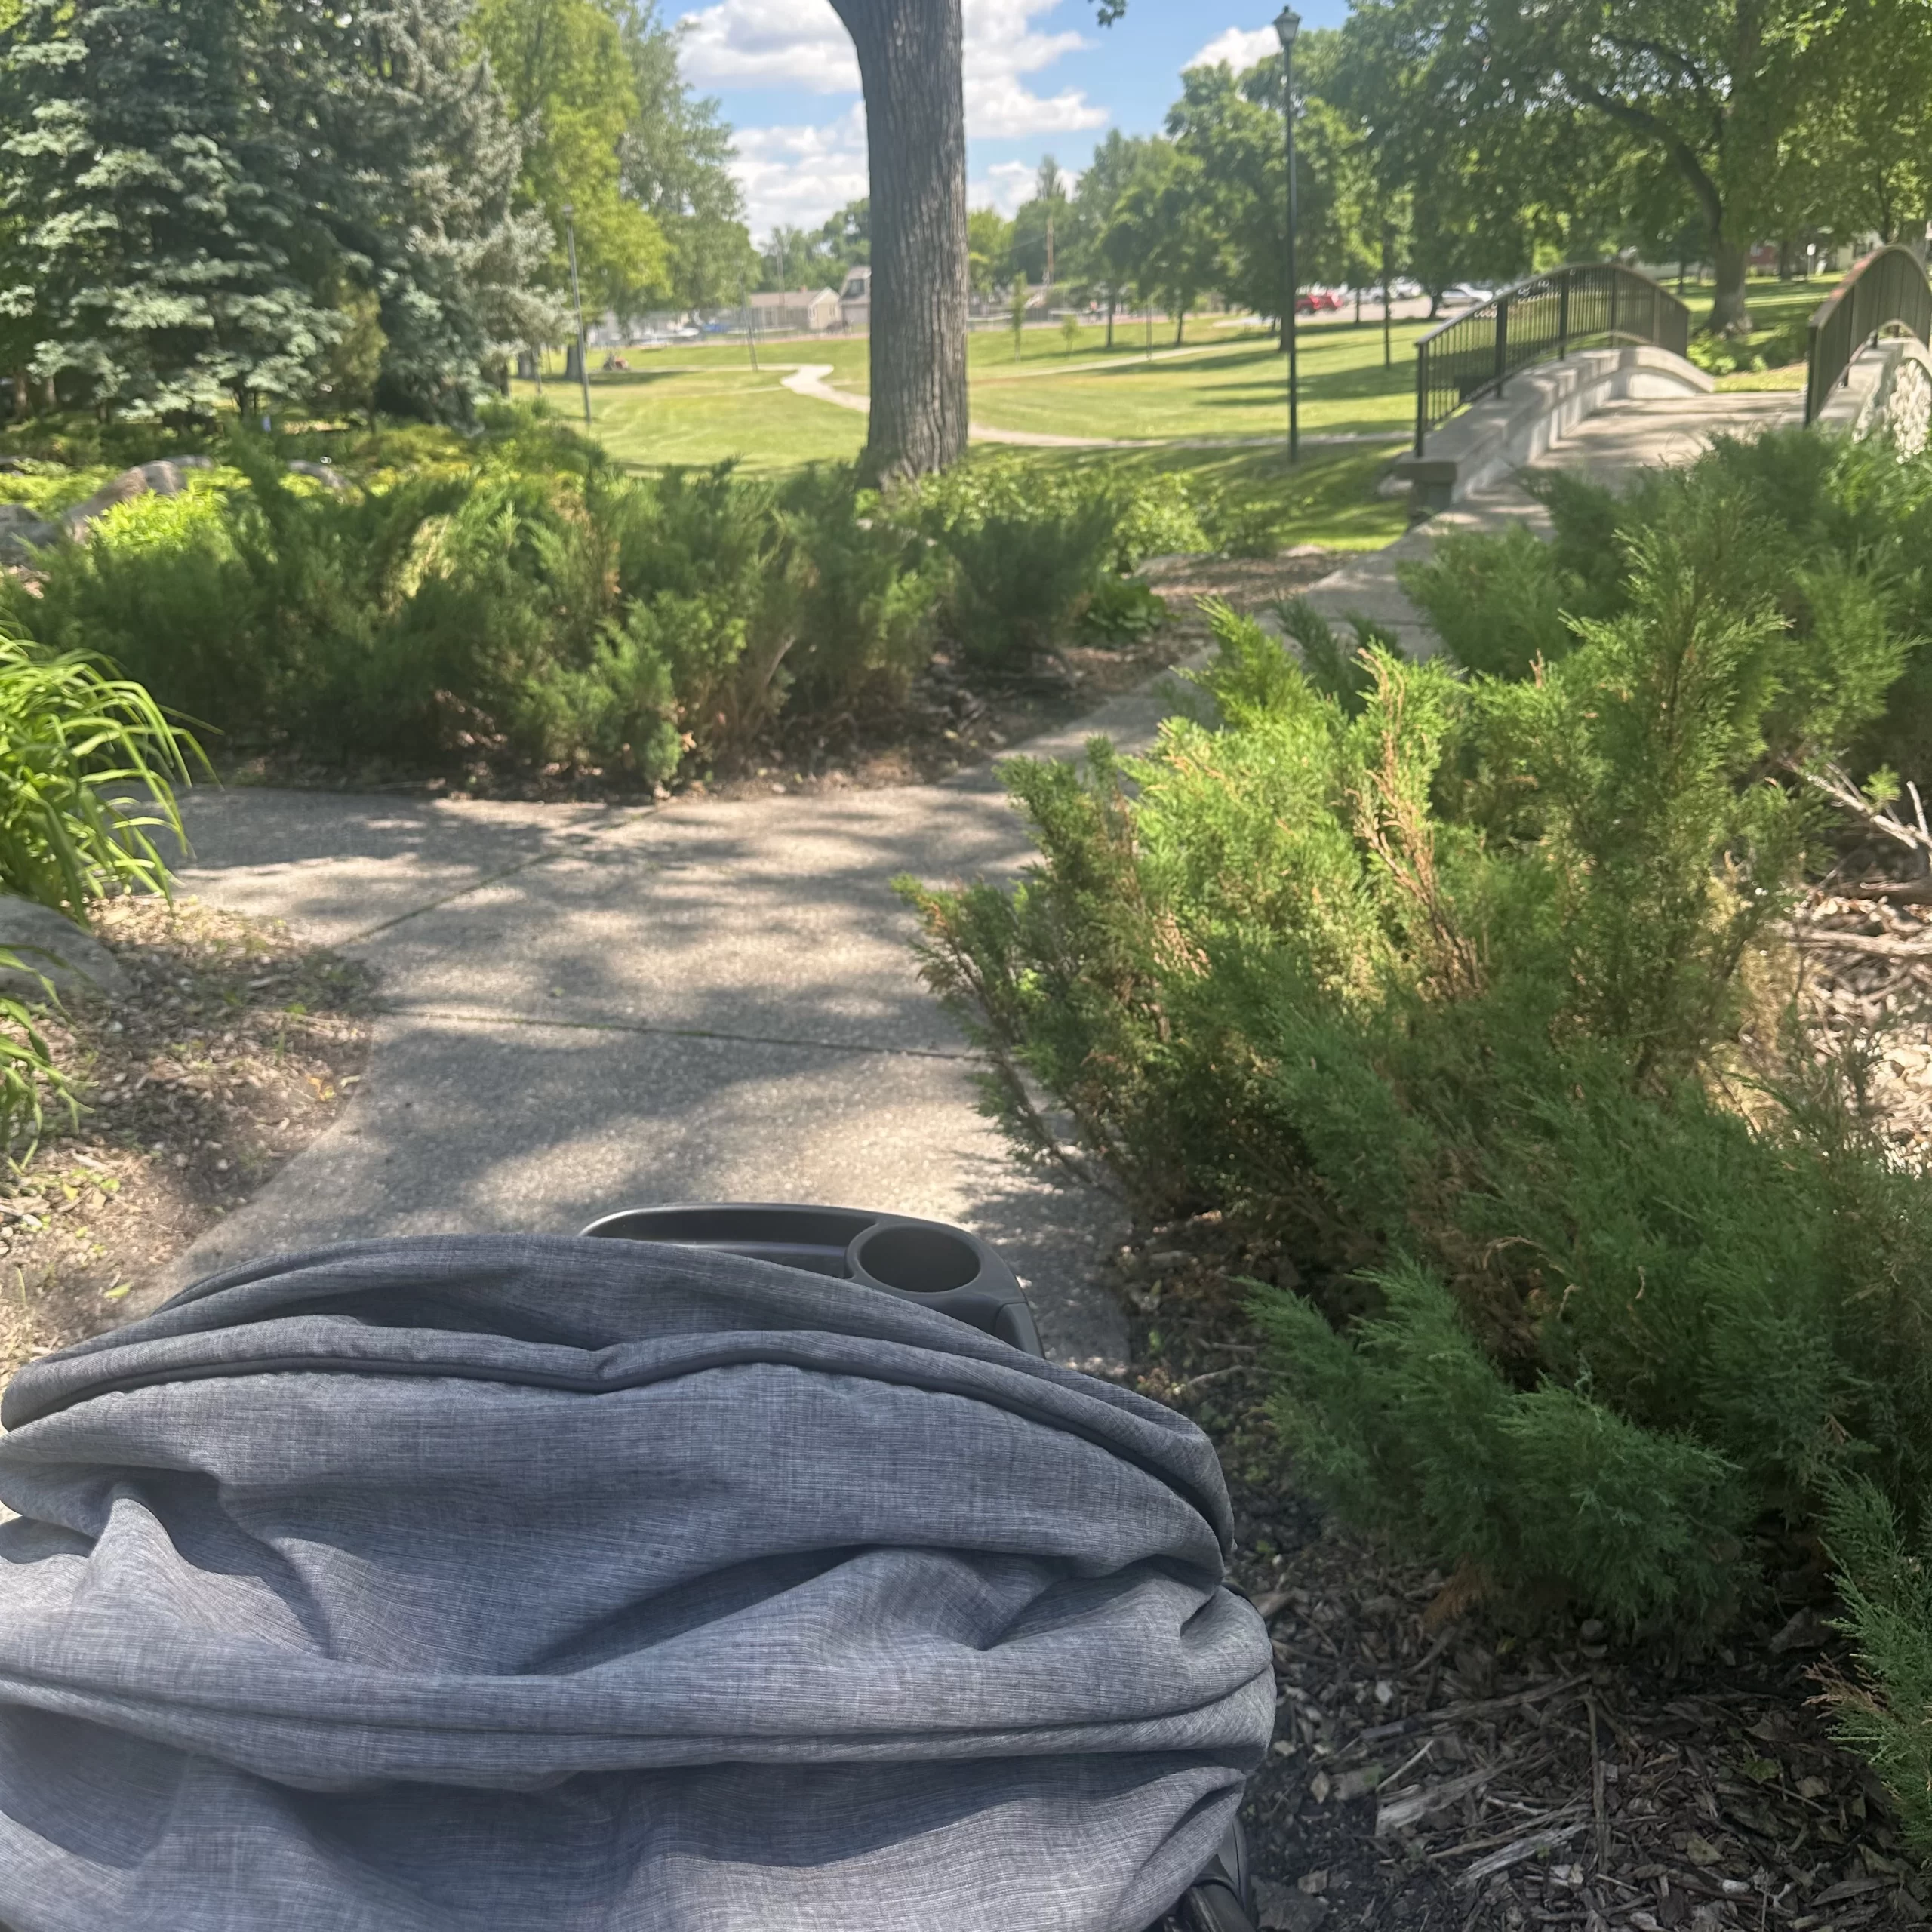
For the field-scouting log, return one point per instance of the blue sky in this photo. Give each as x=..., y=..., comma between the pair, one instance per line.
x=1041, y=79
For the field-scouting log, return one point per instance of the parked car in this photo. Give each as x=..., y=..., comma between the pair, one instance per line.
x=687, y=332
x=1466, y=295
x=1317, y=302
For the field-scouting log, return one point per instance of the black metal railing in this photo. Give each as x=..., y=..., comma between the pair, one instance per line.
x=1887, y=289
x=1588, y=304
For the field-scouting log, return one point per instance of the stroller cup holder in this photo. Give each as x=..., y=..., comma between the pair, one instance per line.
x=945, y=1268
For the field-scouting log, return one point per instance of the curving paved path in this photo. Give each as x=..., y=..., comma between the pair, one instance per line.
x=589, y=1008
x=808, y=379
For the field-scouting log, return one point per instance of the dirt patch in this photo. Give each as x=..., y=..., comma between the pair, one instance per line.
x=1866, y=992
x=238, y=1045
x=1434, y=1768
x=957, y=714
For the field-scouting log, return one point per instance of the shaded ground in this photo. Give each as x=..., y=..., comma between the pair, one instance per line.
x=1436, y=1767
x=239, y=1045
x=957, y=715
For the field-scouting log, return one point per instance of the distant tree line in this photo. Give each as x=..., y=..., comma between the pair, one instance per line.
x=1447, y=140
x=256, y=203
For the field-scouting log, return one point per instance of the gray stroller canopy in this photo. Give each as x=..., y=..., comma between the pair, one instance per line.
x=527, y=1584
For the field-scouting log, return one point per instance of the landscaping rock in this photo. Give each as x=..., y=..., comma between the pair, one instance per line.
x=50, y=946
x=21, y=533
x=166, y=477
x=321, y=471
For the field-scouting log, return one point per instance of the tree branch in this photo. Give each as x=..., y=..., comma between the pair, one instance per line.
x=1667, y=136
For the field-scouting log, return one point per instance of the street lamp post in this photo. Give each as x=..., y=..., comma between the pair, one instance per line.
x=577, y=298
x=1288, y=24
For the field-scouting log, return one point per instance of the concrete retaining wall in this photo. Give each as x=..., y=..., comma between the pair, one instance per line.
x=1493, y=439
x=1888, y=387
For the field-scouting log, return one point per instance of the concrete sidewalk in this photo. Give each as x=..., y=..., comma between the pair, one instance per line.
x=586, y=1008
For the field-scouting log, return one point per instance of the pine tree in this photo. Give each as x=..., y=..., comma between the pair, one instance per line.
x=158, y=216
x=418, y=162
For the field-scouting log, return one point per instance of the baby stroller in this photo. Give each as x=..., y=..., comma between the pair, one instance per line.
x=724, y=1569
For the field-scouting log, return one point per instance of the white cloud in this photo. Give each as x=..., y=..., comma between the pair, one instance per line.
x=768, y=43
x=797, y=175
x=800, y=173
x=799, y=44
x=1241, y=48
x=1002, y=47
x=1004, y=186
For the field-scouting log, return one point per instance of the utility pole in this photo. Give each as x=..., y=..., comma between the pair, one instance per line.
x=745, y=303
x=1387, y=250
x=1288, y=24
x=576, y=298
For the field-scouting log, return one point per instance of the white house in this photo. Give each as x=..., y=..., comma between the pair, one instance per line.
x=794, y=311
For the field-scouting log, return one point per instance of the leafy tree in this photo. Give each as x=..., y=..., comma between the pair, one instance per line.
x=1866, y=148
x=674, y=162
x=1716, y=88
x=1164, y=229
x=1113, y=166
x=988, y=247
x=416, y=163
x=570, y=78
x=157, y=206
x=788, y=258
x=845, y=240
x=1043, y=246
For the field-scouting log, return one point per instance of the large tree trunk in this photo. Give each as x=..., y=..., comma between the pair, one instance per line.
x=910, y=64
x=1730, y=314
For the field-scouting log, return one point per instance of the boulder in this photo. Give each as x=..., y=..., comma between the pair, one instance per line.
x=166, y=477
x=320, y=471
x=21, y=533
x=49, y=945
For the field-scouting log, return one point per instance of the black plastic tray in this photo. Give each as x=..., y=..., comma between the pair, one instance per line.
x=929, y=1261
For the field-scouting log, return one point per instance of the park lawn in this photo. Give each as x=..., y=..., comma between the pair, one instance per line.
x=651, y=418
x=1328, y=497
x=1043, y=350
x=1238, y=390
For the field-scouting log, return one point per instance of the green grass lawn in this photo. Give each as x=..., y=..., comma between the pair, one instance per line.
x=1328, y=497
x=1772, y=356
x=1239, y=388
x=702, y=402
x=655, y=416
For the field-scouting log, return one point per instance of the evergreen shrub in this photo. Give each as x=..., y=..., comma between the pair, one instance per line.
x=1448, y=984
x=513, y=594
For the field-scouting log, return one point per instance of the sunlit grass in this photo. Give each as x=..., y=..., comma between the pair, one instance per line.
x=653, y=417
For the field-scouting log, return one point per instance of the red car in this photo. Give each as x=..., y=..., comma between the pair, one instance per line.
x=1316, y=302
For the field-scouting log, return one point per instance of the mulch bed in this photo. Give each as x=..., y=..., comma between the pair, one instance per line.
x=239, y=1045
x=1435, y=1766
x=1867, y=985
x=956, y=714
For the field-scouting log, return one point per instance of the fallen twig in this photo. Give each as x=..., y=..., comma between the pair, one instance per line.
x=1458, y=1713
x=1827, y=938
x=1837, y=786
x=1412, y=1805
x=1518, y=1850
